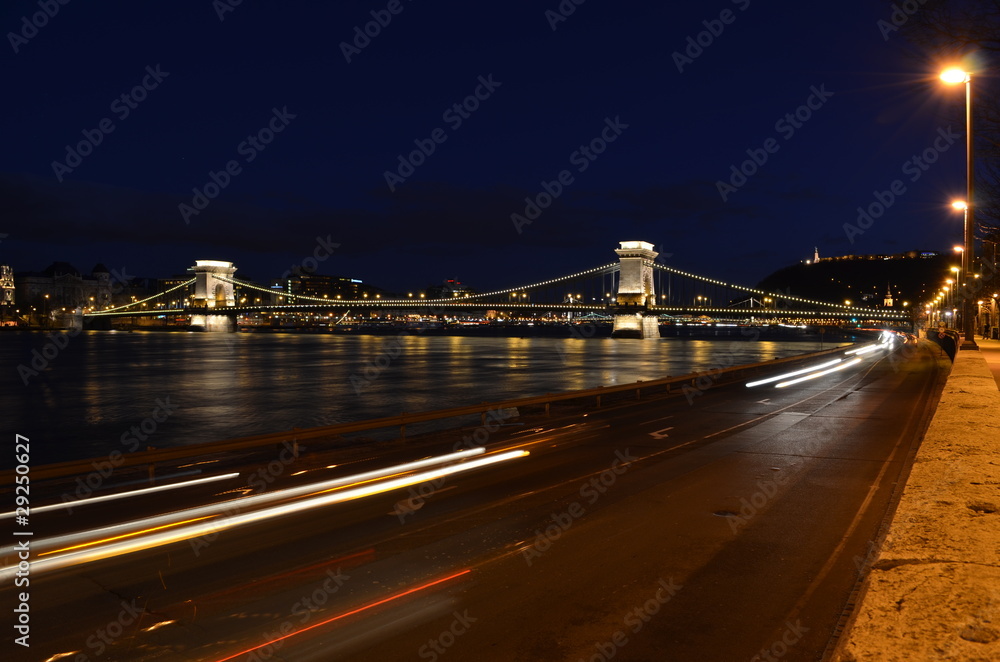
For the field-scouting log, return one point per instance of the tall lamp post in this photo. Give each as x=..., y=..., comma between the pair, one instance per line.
x=952, y=77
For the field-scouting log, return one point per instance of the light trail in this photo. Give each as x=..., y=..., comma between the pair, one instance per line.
x=123, y=495
x=358, y=610
x=793, y=373
x=242, y=504
x=213, y=527
x=814, y=375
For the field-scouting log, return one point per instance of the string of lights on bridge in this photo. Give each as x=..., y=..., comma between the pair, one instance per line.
x=468, y=300
x=743, y=288
x=111, y=311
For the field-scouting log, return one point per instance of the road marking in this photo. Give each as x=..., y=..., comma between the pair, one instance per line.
x=655, y=420
x=765, y=401
x=660, y=434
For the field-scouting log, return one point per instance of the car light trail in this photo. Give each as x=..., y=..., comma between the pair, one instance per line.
x=123, y=536
x=248, y=502
x=366, y=607
x=814, y=375
x=212, y=527
x=124, y=495
x=793, y=373
x=865, y=350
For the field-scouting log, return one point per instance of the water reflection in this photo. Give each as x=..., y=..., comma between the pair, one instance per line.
x=229, y=385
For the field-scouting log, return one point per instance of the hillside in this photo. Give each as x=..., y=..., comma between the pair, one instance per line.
x=863, y=279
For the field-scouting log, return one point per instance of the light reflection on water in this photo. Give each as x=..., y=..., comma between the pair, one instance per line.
x=233, y=385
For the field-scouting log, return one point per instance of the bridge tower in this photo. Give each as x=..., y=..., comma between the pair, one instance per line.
x=212, y=293
x=635, y=292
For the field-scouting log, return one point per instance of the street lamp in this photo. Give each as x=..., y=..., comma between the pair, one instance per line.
x=953, y=76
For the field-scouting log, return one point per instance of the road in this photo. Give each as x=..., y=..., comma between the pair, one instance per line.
x=719, y=525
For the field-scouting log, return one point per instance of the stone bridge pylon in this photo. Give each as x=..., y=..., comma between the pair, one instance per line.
x=633, y=318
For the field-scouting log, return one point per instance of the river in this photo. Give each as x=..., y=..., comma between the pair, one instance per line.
x=207, y=387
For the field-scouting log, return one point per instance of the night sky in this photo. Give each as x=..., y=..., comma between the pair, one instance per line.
x=215, y=78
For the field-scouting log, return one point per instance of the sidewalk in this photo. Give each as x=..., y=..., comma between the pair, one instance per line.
x=933, y=593
x=990, y=349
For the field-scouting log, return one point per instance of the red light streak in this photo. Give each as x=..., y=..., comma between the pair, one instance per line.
x=371, y=605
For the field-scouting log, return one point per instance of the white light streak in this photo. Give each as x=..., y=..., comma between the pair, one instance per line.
x=814, y=375
x=124, y=495
x=793, y=373
x=214, y=526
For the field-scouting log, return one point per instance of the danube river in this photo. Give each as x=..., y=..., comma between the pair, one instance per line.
x=206, y=387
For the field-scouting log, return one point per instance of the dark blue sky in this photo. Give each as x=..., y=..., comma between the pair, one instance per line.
x=553, y=91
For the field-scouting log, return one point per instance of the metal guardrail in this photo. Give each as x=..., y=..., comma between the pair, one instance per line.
x=154, y=456
x=948, y=339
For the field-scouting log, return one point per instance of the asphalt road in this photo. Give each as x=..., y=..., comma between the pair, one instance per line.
x=719, y=526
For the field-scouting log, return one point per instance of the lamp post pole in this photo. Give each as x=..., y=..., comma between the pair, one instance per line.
x=952, y=76
x=970, y=240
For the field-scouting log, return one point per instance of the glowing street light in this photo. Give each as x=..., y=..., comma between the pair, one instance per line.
x=954, y=76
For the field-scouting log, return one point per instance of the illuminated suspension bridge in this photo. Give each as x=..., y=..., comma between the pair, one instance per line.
x=637, y=292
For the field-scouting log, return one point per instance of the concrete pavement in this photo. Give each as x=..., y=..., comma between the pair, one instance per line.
x=990, y=349
x=933, y=592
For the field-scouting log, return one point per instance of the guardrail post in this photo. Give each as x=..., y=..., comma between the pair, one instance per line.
x=151, y=469
x=598, y=401
x=546, y=408
x=402, y=431
x=637, y=392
